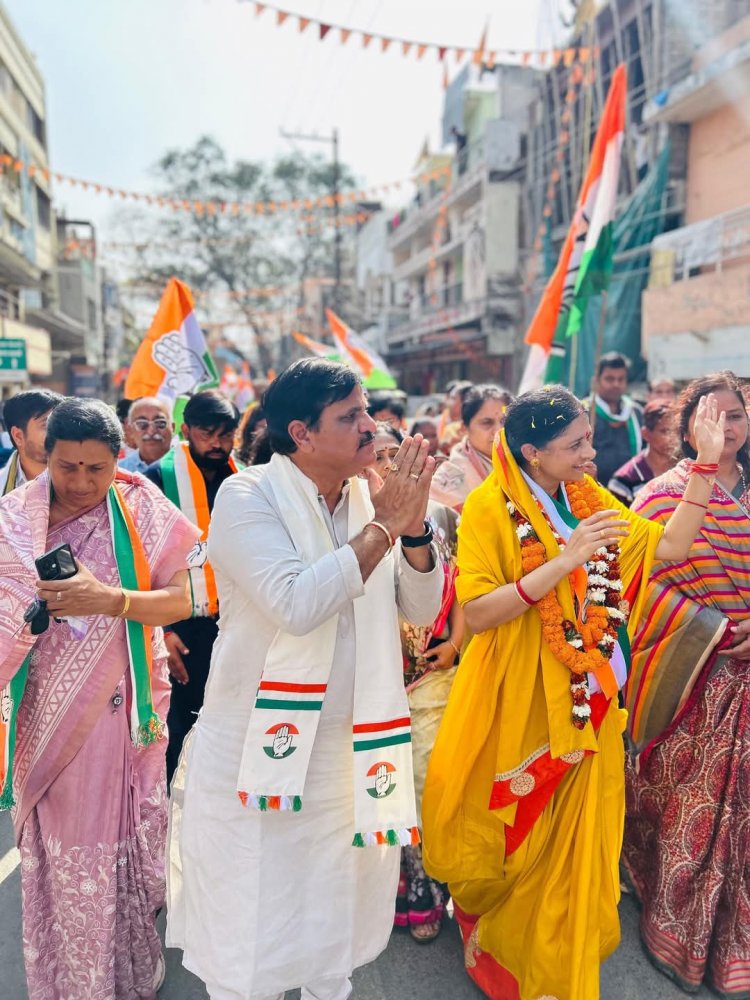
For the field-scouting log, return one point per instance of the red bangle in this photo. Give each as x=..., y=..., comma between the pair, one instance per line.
x=692, y=503
x=709, y=469
x=528, y=601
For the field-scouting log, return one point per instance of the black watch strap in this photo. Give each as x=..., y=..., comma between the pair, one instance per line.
x=417, y=541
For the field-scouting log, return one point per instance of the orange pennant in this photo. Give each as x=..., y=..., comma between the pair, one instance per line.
x=459, y=54
x=384, y=43
x=525, y=58
x=303, y=23
x=421, y=49
x=405, y=48
x=345, y=33
x=569, y=56
x=259, y=8
x=281, y=16
x=366, y=39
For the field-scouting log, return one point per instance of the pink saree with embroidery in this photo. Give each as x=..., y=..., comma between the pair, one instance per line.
x=90, y=815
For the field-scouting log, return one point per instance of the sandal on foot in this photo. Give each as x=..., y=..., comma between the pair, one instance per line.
x=425, y=933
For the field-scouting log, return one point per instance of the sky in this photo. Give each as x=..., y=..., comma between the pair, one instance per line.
x=128, y=79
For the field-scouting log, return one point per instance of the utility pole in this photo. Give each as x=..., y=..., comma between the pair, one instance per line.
x=333, y=140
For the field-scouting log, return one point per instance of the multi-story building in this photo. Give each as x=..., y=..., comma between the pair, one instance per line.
x=26, y=220
x=695, y=311
x=455, y=308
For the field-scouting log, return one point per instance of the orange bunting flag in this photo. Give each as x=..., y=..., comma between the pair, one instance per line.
x=459, y=54
x=478, y=57
x=421, y=49
x=569, y=57
x=345, y=33
x=366, y=39
x=384, y=44
x=281, y=16
x=173, y=359
x=405, y=48
x=303, y=23
x=259, y=8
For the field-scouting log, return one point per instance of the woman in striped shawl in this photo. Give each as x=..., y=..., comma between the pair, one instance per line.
x=687, y=837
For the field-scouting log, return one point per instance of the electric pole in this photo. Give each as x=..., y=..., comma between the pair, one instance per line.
x=333, y=140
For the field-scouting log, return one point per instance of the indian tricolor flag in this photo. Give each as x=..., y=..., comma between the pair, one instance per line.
x=359, y=355
x=173, y=358
x=316, y=347
x=585, y=263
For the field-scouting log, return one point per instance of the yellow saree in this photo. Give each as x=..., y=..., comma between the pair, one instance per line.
x=523, y=813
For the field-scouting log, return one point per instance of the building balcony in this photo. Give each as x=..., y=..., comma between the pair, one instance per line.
x=717, y=75
x=468, y=172
x=695, y=315
x=444, y=308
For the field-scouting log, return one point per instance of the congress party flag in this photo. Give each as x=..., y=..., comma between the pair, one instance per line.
x=359, y=355
x=585, y=264
x=173, y=359
x=315, y=347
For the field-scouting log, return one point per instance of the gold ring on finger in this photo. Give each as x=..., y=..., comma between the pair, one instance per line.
x=601, y=533
x=59, y=595
x=413, y=475
x=394, y=467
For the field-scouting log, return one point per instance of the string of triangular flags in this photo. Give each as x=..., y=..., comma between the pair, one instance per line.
x=481, y=55
x=204, y=206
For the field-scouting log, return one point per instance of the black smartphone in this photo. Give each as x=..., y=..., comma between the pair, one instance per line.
x=57, y=564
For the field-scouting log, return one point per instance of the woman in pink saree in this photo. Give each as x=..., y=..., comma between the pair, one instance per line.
x=83, y=754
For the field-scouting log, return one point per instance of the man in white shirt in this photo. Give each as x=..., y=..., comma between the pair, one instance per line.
x=295, y=786
x=25, y=417
x=151, y=428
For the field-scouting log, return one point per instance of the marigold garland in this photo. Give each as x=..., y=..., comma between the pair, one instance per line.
x=587, y=645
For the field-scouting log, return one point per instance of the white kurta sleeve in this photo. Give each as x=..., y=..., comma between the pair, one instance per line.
x=419, y=594
x=249, y=544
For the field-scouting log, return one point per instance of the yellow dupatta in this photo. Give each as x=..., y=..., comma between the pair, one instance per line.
x=511, y=699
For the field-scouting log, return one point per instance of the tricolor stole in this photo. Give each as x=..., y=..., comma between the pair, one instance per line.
x=382, y=759
x=145, y=725
x=185, y=486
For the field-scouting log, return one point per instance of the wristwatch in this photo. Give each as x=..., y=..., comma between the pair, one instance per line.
x=417, y=541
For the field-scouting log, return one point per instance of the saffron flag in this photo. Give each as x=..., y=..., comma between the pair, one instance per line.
x=173, y=359
x=315, y=346
x=585, y=263
x=359, y=355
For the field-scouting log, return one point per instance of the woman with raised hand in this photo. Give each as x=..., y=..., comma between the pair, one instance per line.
x=687, y=832
x=524, y=802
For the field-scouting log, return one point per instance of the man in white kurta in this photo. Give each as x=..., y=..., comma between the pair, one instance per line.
x=263, y=902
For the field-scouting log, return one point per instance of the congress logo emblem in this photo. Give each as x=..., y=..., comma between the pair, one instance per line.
x=383, y=783
x=282, y=743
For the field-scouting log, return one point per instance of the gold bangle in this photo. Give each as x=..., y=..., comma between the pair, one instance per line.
x=126, y=605
x=386, y=532
x=458, y=651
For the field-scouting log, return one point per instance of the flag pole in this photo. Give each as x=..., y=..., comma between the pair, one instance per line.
x=597, y=358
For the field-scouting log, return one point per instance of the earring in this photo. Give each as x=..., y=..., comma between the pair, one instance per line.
x=535, y=463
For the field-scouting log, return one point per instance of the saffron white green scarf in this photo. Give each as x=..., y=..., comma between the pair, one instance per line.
x=185, y=486
x=145, y=725
x=284, y=721
x=627, y=415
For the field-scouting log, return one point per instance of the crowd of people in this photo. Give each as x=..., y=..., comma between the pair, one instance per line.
x=327, y=667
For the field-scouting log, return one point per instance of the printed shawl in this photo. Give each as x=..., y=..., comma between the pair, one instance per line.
x=687, y=608
x=186, y=488
x=83, y=674
x=284, y=721
x=510, y=683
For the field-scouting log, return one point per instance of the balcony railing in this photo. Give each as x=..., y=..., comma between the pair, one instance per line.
x=702, y=246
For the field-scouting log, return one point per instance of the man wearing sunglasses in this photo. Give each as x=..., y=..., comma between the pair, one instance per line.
x=150, y=424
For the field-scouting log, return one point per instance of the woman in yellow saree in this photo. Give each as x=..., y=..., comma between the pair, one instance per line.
x=524, y=801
